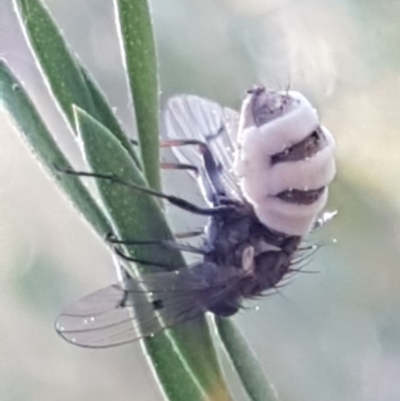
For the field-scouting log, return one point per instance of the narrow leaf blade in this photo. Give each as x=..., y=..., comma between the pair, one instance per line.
x=16, y=102
x=245, y=362
x=134, y=23
x=69, y=82
x=59, y=66
x=107, y=116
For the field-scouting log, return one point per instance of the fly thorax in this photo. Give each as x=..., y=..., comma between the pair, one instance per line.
x=285, y=160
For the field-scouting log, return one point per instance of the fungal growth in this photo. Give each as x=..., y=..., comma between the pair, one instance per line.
x=285, y=162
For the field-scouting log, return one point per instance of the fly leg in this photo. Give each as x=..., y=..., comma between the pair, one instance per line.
x=189, y=234
x=169, y=244
x=206, y=185
x=213, y=169
x=212, y=182
x=214, y=174
x=174, y=200
x=170, y=143
x=141, y=261
x=179, y=166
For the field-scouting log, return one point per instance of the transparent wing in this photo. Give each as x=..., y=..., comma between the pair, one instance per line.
x=120, y=314
x=193, y=117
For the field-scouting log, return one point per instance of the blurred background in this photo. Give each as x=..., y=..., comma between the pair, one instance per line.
x=329, y=336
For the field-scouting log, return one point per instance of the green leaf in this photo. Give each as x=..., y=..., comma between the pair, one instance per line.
x=60, y=68
x=245, y=362
x=15, y=100
x=183, y=357
x=69, y=82
x=140, y=58
x=107, y=116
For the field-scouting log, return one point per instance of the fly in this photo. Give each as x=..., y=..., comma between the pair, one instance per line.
x=264, y=174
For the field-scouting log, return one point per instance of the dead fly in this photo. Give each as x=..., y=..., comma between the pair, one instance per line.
x=264, y=174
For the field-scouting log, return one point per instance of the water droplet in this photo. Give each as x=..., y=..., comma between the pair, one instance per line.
x=85, y=321
x=73, y=340
x=15, y=87
x=92, y=319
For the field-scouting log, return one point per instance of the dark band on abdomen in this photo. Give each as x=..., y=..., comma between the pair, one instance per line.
x=300, y=197
x=304, y=149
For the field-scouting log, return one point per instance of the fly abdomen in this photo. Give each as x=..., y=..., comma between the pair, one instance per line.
x=285, y=160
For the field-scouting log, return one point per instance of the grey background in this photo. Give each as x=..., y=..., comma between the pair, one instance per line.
x=329, y=336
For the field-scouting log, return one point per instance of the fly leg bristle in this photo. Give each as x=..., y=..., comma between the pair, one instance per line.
x=307, y=248
x=277, y=289
x=252, y=308
x=316, y=246
x=312, y=249
x=301, y=268
x=308, y=254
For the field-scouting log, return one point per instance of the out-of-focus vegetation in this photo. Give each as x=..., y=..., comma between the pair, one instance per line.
x=329, y=336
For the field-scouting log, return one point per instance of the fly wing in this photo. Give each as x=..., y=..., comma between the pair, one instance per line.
x=119, y=314
x=193, y=117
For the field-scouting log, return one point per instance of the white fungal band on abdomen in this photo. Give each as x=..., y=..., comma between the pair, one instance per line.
x=285, y=160
x=311, y=173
